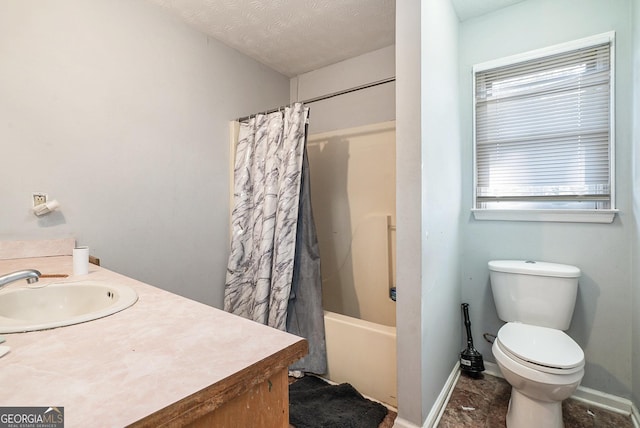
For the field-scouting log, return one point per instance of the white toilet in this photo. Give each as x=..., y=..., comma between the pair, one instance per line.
x=543, y=364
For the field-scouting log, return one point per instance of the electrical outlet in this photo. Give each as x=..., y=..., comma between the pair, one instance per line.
x=39, y=198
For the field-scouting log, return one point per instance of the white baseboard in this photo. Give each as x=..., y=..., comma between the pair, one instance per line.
x=438, y=407
x=443, y=398
x=603, y=400
x=492, y=369
x=592, y=397
x=402, y=423
x=635, y=416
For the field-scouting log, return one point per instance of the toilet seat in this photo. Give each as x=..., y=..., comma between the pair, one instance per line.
x=541, y=348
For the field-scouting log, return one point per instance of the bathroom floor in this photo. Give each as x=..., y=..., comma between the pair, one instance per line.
x=483, y=403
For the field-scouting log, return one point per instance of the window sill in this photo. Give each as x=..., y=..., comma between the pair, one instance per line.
x=566, y=216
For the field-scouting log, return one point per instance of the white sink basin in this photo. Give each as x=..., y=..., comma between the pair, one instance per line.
x=58, y=305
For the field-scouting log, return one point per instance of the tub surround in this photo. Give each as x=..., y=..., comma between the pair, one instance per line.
x=165, y=361
x=348, y=339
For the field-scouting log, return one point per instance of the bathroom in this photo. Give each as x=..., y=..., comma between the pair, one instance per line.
x=120, y=112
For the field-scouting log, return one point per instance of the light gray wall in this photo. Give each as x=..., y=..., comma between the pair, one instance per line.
x=120, y=112
x=441, y=172
x=409, y=212
x=363, y=107
x=603, y=315
x=635, y=361
x=428, y=155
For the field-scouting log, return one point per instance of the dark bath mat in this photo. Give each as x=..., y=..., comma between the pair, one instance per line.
x=313, y=403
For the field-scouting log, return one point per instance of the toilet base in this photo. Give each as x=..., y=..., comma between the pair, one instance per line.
x=526, y=412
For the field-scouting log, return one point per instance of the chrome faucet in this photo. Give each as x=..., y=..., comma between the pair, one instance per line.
x=31, y=275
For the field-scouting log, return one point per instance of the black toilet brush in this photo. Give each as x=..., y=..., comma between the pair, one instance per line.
x=470, y=360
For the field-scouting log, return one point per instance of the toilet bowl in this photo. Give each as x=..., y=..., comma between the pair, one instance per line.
x=544, y=366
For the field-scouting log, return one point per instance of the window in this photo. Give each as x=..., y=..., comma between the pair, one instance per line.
x=543, y=134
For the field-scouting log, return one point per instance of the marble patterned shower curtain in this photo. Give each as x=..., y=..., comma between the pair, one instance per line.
x=267, y=178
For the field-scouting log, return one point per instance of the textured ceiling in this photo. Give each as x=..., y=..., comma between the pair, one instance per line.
x=297, y=36
x=293, y=36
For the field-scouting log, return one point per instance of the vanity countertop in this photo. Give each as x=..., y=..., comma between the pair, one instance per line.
x=157, y=361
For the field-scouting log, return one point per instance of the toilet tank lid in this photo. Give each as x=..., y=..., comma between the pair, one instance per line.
x=529, y=267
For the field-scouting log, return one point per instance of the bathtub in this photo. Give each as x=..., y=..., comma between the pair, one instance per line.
x=363, y=354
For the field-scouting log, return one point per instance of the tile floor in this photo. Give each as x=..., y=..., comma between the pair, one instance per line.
x=388, y=421
x=482, y=403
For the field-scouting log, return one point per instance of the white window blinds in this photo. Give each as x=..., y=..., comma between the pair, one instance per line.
x=543, y=132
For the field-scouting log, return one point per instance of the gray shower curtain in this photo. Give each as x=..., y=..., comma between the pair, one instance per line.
x=270, y=221
x=305, y=316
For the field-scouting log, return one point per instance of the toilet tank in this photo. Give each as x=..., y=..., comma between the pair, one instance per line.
x=536, y=293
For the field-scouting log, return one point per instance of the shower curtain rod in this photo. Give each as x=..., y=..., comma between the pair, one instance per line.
x=325, y=97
